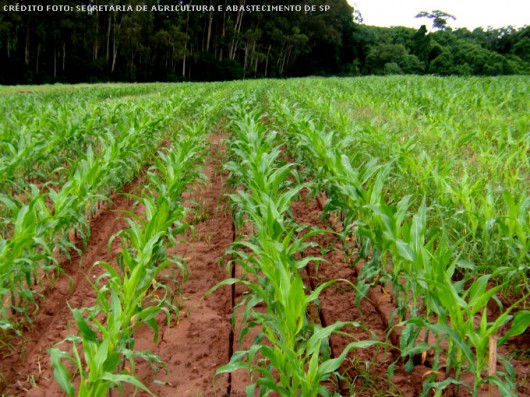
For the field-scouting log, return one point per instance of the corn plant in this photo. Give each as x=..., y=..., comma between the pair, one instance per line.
x=21, y=256
x=127, y=299
x=409, y=124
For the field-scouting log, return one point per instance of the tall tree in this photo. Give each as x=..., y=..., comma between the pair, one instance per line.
x=439, y=18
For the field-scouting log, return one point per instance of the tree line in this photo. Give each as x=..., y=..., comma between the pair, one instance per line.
x=107, y=44
x=39, y=47
x=443, y=51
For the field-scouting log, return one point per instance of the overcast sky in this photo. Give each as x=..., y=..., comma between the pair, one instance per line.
x=468, y=13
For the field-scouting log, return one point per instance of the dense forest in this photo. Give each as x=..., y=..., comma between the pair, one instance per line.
x=227, y=39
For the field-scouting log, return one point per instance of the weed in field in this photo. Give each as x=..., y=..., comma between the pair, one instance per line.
x=199, y=210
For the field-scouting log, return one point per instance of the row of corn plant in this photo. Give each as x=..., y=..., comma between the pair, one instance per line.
x=41, y=224
x=291, y=354
x=44, y=224
x=460, y=143
x=131, y=292
x=43, y=135
x=422, y=261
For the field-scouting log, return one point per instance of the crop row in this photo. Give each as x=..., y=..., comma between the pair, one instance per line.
x=441, y=302
x=131, y=293
x=428, y=177
x=106, y=145
x=460, y=144
x=291, y=355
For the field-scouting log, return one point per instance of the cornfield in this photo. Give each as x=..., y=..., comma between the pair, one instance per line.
x=423, y=193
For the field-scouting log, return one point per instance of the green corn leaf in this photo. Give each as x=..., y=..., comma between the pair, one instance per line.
x=507, y=389
x=84, y=328
x=151, y=322
x=59, y=371
x=405, y=251
x=10, y=204
x=312, y=371
x=520, y=323
x=100, y=359
x=116, y=379
x=332, y=365
x=228, y=281
x=449, y=381
x=316, y=293
x=236, y=362
x=251, y=390
x=324, y=333
x=231, y=367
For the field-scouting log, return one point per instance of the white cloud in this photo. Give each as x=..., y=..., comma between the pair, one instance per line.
x=468, y=13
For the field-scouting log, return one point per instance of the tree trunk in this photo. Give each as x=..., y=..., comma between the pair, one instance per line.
x=96, y=40
x=108, y=40
x=223, y=34
x=114, y=56
x=115, y=44
x=245, y=61
x=188, y=69
x=37, y=61
x=209, y=34
x=267, y=61
x=256, y=59
x=184, y=59
x=185, y=46
x=54, y=61
x=26, y=47
x=132, y=65
x=237, y=29
x=282, y=63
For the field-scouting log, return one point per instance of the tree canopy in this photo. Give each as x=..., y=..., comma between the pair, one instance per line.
x=439, y=18
x=399, y=50
x=229, y=39
x=222, y=40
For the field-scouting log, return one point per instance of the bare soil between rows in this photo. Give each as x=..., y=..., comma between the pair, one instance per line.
x=201, y=339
